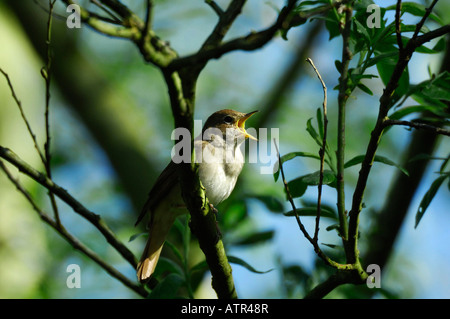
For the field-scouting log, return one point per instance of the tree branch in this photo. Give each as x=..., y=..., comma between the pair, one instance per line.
x=217, y=9
x=340, y=153
x=322, y=150
x=95, y=219
x=385, y=104
x=250, y=42
x=315, y=244
x=22, y=113
x=72, y=240
x=417, y=125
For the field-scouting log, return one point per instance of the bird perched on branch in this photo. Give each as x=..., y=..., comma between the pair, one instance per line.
x=220, y=163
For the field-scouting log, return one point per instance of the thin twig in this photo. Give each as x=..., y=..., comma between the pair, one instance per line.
x=322, y=150
x=424, y=18
x=62, y=194
x=289, y=196
x=416, y=125
x=342, y=101
x=397, y=25
x=214, y=49
x=115, y=19
x=148, y=20
x=47, y=77
x=217, y=9
x=22, y=113
x=317, y=249
x=72, y=240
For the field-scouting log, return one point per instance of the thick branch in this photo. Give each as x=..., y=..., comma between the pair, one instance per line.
x=250, y=42
x=203, y=222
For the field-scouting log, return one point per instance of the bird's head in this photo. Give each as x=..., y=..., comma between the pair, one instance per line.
x=230, y=123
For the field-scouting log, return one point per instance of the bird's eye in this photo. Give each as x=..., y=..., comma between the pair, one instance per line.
x=228, y=119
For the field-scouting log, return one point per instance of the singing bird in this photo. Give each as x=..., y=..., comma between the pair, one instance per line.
x=220, y=163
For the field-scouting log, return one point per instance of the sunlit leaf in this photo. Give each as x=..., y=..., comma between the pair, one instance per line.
x=381, y=159
x=288, y=157
x=239, y=261
x=416, y=9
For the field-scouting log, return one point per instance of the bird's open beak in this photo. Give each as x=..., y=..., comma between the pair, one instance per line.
x=241, y=125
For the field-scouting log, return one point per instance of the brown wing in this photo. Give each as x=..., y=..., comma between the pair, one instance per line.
x=166, y=180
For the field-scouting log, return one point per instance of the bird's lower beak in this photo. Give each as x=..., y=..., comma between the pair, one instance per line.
x=241, y=125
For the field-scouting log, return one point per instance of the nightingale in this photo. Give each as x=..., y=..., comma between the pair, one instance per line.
x=220, y=161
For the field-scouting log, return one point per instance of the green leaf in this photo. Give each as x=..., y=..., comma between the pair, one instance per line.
x=377, y=58
x=312, y=211
x=404, y=111
x=333, y=227
x=133, y=237
x=332, y=246
x=338, y=65
x=255, y=238
x=313, y=178
x=361, y=29
x=175, y=250
x=438, y=88
x=320, y=122
x=416, y=9
x=235, y=260
x=167, y=288
x=381, y=159
x=271, y=202
x=239, y=261
x=428, y=197
x=288, y=157
x=201, y=266
x=236, y=212
x=166, y=265
x=331, y=23
x=364, y=88
x=312, y=131
x=386, y=68
x=297, y=188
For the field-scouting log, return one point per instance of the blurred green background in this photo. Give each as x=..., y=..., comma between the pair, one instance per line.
x=111, y=125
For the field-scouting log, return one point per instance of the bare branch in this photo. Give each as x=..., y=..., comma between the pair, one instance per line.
x=95, y=219
x=47, y=77
x=417, y=125
x=342, y=100
x=22, y=113
x=213, y=50
x=217, y=9
x=317, y=249
x=397, y=25
x=72, y=240
x=424, y=18
x=322, y=150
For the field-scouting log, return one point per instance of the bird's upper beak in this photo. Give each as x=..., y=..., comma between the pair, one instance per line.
x=241, y=124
